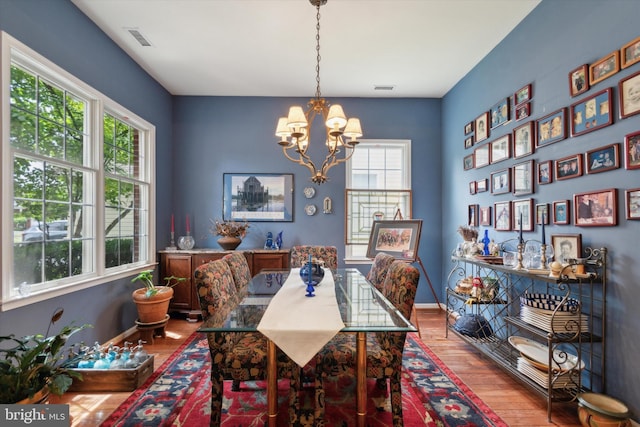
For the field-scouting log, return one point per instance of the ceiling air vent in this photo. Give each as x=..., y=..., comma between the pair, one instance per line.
x=383, y=87
x=139, y=37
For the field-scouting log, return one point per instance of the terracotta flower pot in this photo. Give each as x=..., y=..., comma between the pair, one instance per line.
x=229, y=243
x=153, y=309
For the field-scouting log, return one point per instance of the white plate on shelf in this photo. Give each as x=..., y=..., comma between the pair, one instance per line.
x=542, y=378
x=539, y=353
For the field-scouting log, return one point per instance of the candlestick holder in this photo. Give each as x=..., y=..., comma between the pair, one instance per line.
x=519, y=257
x=172, y=244
x=543, y=256
x=186, y=242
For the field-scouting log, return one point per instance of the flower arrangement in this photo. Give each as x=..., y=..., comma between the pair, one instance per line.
x=469, y=234
x=229, y=228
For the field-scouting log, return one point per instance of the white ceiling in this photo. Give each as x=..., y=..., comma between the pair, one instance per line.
x=268, y=48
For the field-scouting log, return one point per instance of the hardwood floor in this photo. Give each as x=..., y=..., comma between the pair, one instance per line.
x=514, y=403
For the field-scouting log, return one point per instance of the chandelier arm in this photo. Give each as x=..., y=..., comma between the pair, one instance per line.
x=301, y=159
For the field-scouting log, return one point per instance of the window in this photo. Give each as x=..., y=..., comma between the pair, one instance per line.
x=76, y=187
x=376, y=167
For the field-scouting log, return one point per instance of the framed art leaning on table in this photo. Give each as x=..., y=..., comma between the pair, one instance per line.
x=399, y=238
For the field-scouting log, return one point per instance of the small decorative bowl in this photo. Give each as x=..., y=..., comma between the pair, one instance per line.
x=599, y=410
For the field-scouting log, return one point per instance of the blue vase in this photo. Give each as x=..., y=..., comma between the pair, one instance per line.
x=317, y=273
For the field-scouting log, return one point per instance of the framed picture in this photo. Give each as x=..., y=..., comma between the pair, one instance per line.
x=501, y=181
x=542, y=213
x=485, y=215
x=502, y=213
x=472, y=187
x=522, y=214
x=545, y=176
x=632, y=202
x=596, y=208
x=605, y=67
x=481, y=185
x=473, y=215
x=468, y=142
x=630, y=53
x=468, y=162
x=552, y=128
x=603, y=159
x=522, y=95
x=579, y=80
x=569, y=167
x=501, y=149
x=258, y=197
x=592, y=113
x=399, y=238
x=561, y=212
x=566, y=247
x=632, y=151
x=481, y=156
x=629, y=95
x=500, y=113
x=523, y=137
x=523, y=111
x=468, y=128
x=482, y=127
x=523, y=178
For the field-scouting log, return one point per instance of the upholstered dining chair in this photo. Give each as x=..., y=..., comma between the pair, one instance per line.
x=378, y=271
x=384, y=349
x=240, y=356
x=300, y=255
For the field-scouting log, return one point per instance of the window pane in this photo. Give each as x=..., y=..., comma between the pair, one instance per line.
x=28, y=178
x=75, y=147
x=74, y=111
x=51, y=102
x=23, y=90
x=50, y=139
x=23, y=130
x=57, y=183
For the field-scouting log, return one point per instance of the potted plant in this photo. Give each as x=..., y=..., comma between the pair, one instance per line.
x=153, y=301
x=33, y=366
x=232, y=233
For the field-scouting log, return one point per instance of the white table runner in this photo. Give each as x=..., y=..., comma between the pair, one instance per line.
x=300, y=325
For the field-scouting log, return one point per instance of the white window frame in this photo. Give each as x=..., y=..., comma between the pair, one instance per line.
x=10, y=50
x=405, y=144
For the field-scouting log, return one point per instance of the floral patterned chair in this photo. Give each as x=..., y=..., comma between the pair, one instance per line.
x=240, y=356
x=379, y=268
x=384, y=349
x=300, y=255
x=239, y=269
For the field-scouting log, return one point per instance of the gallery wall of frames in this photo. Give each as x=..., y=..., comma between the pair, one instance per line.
x=488, y=146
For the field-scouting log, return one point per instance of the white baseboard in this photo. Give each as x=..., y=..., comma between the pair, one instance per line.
x=430, y=305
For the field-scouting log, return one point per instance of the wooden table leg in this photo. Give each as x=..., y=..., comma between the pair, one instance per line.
x=272, y=384
x=361, y=378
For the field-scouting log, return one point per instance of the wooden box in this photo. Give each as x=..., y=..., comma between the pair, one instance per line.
x=113, y=379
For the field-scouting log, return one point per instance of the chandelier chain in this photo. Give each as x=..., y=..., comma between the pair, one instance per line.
x=318, y=95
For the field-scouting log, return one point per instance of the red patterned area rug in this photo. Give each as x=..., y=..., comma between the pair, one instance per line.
x=178, y=394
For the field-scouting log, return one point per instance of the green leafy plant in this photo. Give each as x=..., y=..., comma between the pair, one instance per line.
x=146, y=277
x=32, y=363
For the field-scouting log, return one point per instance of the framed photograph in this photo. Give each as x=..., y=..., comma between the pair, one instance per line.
x=501, y=181
x=258, y=197
x=481, y=156
x=482, y=185
x=500, y=113
x=523, y=111
x=468, y=128
x=596, y=208
x=552, y=128
x=501, y=149
x=630, y=53
x=629, y=95
x=542, y=213
x=482, y=127
x=472, y=187
x=468, y=162
x=522, y=214
x=632, y=202
x=545, y=175
x=502, y=216
x=473, y=215
x=592, y=113
x=604, y=68
x=561, y=212
x=522, y=95
x=632, y=151
x=579, y=80
x=603, y=159
x=523, y=178
x=399, y=238
x=566, y=247
x=523, y=137
x=468, y=142
x=568, y=167
x=485, y=215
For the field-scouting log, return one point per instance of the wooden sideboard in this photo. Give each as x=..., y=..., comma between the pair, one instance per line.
x=184, y=263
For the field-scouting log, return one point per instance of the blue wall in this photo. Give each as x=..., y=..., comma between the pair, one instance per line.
x=557, y=37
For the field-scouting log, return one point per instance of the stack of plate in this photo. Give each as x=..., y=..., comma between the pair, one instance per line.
x=541, y=377
x=538, y=309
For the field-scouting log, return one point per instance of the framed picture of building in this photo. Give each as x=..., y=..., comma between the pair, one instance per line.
x=257, y=197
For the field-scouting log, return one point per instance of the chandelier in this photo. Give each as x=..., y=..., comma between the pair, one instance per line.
x=294, y=130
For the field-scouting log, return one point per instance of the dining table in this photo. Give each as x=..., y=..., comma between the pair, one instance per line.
x=359, y=306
